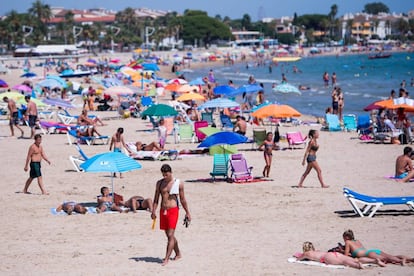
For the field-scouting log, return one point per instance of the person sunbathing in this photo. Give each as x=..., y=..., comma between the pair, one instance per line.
x=105, y=202
x=87, y=131
x=153, y=146
x=355, y=249
x=70, y=206
x=332, y=258
x=138, y=203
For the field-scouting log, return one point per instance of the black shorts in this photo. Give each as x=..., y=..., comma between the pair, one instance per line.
x=32, y=120
x=335, y=106
x=35, y=170
x=14, y=119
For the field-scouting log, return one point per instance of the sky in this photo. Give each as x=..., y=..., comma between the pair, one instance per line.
x=232, y=8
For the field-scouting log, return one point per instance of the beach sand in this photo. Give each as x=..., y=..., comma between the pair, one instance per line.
x=237, y=229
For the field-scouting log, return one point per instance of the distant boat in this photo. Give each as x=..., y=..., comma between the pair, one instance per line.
x=285, y=59
x=379, y=55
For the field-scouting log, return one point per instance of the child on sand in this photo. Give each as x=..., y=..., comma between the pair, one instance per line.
x=268, y=145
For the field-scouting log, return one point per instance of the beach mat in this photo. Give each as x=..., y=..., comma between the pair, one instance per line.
x=294, y=260
x=91, y=210
x=229, y=180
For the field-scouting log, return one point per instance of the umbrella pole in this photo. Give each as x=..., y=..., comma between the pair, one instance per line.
x=112, y=184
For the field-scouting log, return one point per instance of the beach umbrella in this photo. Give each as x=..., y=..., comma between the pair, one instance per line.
x=407, y=104
x=191, y=96
x=28, y=75
x=22, y=87
x=11, y=95
x=58, y=79
x=372, y=106
x=59, y=103
x=3, y=84
x=219, y=103
x=177, y=81
x=37, y=102
x=188, y=88
x=150, y=66
x=160, y=110
x=118, y=90
x=223, y=138
x=172, y=86
x=247, y=88
x=51, y=83
x=286, y=88
x=112, y=162
x=276, y=111
x=224, y=90
x=197, y=81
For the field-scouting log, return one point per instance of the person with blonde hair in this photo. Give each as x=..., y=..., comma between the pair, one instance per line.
x=329, y=258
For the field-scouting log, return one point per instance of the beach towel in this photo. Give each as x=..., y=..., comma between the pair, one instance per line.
x=294, y=260
x=175, y=187
x=91, y=210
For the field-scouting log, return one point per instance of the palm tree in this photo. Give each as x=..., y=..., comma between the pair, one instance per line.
x=42, y=14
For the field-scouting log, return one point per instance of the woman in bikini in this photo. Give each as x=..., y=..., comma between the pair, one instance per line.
x=268, y=145
x=310, y=157
x=330, y=258
x=355, y=249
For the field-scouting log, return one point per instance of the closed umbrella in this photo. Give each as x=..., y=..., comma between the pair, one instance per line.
x=276, y=111
x=112, y=162
x=160, y=110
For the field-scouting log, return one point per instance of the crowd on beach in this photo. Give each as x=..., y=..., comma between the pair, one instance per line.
x=353, y=254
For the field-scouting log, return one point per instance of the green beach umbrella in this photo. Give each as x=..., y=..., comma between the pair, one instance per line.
x=160, y=110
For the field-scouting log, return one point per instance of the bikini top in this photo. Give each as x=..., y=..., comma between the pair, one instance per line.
x=314, y=148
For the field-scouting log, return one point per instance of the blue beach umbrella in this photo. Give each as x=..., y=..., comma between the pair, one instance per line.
x=219, y=103
x=197, y=81
x=28, y=75
x=223, y=138
x=224, y=90
x=150, y=66
x=60, y=80
x=112, y=162
x=247, y=88
x=51, y=83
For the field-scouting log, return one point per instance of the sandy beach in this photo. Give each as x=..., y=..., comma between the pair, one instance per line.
x=237, y=229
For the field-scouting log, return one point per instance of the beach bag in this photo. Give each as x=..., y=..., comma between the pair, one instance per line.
x=118, y=198
x=403, y=139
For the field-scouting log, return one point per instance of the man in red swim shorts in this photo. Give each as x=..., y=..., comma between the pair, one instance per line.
x=169, y=189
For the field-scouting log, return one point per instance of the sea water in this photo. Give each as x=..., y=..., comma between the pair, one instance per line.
x=362, y=80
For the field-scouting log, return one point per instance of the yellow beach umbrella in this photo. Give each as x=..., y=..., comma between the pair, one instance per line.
x=11, y=95
x=191, y=96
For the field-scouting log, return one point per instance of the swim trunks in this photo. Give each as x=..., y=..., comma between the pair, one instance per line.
x=139, y=203
x=401, y=176
x=335, y=106
x=376, y=251
x=311, y=158
x=32, y=120
x=117, y=150
x=14, y=119
x=35, y=169
x=168, y=218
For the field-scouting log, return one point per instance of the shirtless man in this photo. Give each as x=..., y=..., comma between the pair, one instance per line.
x=34, y=156
x=403, y=166
x=169, y=189
x=117, y=142
x=84, y=120
x=31, y=113
x=240, y=126
x=14, y=115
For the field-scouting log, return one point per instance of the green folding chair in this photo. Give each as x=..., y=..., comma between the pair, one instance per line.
x=185, y=133
x=220, y=166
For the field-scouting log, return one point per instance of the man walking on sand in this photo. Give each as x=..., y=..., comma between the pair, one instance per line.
x=14, y=115
x=31, y=112
x=169, y=188
x=35, y=156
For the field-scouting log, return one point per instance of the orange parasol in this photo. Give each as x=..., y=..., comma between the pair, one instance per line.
x=407, y=104
x=172, y=86
x=276, y=111
x=191, y=96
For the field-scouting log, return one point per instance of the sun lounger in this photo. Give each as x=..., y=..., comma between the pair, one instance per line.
x=240, y=171
x=332, y=122
x=73, y=138
x=151, y=155
x=350, y=122
x=220, y=166
x=78, y=160
x=365, y=205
